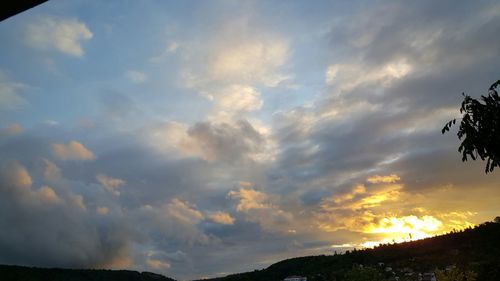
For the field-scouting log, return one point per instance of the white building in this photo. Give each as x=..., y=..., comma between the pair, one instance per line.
x=295, y=278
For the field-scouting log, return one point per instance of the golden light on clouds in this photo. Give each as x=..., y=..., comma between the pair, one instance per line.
x=221, y=218
x=413, y=227
x=383, y=179
x=377, y=214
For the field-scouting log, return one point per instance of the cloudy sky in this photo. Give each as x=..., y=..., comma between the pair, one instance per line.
x=200, y=138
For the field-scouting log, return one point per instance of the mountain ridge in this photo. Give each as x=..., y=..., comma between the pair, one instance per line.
x=474, y=250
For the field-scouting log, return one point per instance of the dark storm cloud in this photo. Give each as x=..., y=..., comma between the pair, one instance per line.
x=226, y=142
x=55, y=229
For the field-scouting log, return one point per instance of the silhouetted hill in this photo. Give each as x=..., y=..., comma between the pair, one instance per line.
x=476, y=250
x=22, y=273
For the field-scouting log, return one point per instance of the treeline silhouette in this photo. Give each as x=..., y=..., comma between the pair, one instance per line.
x=22, y=273
x=473, y=249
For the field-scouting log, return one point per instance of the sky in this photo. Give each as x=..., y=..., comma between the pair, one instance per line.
x=201, y=138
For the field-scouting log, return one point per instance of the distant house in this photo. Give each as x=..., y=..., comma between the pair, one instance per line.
x=295, y=278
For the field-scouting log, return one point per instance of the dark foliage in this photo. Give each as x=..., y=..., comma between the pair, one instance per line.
x=480, y=128
x=22, y=273
x=476, y=250
x=364, y=274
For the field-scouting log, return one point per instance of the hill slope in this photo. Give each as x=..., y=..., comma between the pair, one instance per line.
x=21, y=273
x=476, y=250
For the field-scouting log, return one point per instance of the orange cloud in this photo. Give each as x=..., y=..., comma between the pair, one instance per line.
x=72, y=151
x=248, y=199
x=221, y=218
x=183, y=211
x=112, y=184
x=48, y=195
x=18, y=176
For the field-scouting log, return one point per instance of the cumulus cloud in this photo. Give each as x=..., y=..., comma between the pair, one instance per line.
x=236, y=98
x=221, y=218
x=175, y=221
x=72, y=151
x=221, y=142
x=48, y=195
x=250, y=60
x=248, y=199
x=182, y=211
x=47, y=210
x=51, y=171
x=257, y=207
x=64, y=35
x=17, y=175
x=228, y=142
x=112, y=184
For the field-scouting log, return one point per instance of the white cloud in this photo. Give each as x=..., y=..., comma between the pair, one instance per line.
x=249, y=61
x=236, y=51
x=72, y=151
x=236, y=99
x=136, y=76
x=348, y=76
x=64, y=35
x=9, y=92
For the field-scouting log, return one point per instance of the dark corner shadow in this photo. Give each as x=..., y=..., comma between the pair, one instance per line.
x=12, y=8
